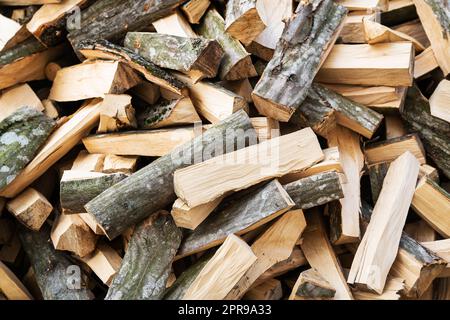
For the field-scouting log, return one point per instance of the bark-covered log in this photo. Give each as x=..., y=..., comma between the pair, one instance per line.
x=306, y=41
x=377, y=172
x=236, y=63
x=112, y=19
x=147, y=263
x=151, y=188
x=323, y=108
x=434, y=132
x=58, y=277
x=103, y=49
x=240, y=213
x=21, y=135
x=78, y=188
x=315, y=190
x=199, y=57
x=415, y=264
x=184, y=281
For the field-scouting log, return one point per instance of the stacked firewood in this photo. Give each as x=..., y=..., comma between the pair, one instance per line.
x=240, y=149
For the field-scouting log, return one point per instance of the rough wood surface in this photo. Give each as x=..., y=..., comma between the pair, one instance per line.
x=268, y=290
x=199, y=57
x=117, y=114
x=11, y=286
x=58, y=277
x=104, y=262
x=239, y=215
x=14, y=98
x=22, y=133
x=273, y=246
x=304, y=44
x=123, y=16
x=236, y=63
x=311, y=285
x=147, y=263
x=77, y=188
x=315, y=190
x=151, y=188
x=438, y=99
x=434, y=132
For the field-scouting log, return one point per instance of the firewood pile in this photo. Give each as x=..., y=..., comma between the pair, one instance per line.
x=240, y=149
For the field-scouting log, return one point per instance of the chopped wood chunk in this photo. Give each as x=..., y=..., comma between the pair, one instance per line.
x=353, y=29
x=290, y=153
x=439, y=106
x=394, y=127
x=88, y=162
x=90, y=221
x=105, y=262
x=392, y=291
x=266, y=128
x=30, y=208
x=195, y=9
x=11, y=286
x=420, y=231
x=378, y=248
x=311, y=285
x=117, y=113
x=268, y=290
x=432, y=203
x=119, y=164
x=16, y=97
x=424, y=63
x=242, y=20
x=190, y=218
x=222, y=271
x=442, y=249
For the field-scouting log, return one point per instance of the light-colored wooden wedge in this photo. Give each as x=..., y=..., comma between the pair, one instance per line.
x=16, y=97
x=11, y=286
x=439, y=101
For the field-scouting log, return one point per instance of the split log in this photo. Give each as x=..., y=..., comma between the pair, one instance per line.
x=399, y=11
x=310, y=285
x=295, y=260
x=16, y=97
x=31, y=208
x=147, y=92
x=58, y=277
x=268, y=290
x=236, y=63
x=11, y=286
x=150, y=143
x=428, y=172
x=104, y=262
x=323, y=108
x=91, y=162
x=320, y=255
x=287, y=78
x=57, y=145
x=22, y=133
x=123, y=16
x=242, y=88
x=90, y=221
x=212, y=101
x=389, y=150
x=424, y=63
x=434, y=132
x=78, y=188
x=378, y=33
x=273, y=14
x=119, y=164
x=10, y=33
x=190, y=218
x=92, y=79
x=117, y=113
x=195, y=9
x=439, y=99
x=290, y=153
x=175, y=25
x=200, y=57
x=168, y=113
x=71, y=233
x=387, y=100
x=369, y=68
x=51, y=109
x=152, y=186
x=392, y=291
x=315, y=190
x=242, y=20
x=222, y=271
x=442, y=249
x=382, y=237
x=24, y=14
x=344, y=225
x=414, y=29
x=353, y=29
x=432, y=203
x=435, y=19
x=26, y=62
x=103, y=49
x=415, y=264
x=243, y=213
x=331, y=162
x=49, y=22
x=147, y=263
x=273, y=246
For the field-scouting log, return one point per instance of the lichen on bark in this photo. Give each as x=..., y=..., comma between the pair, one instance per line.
x=21, y=135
